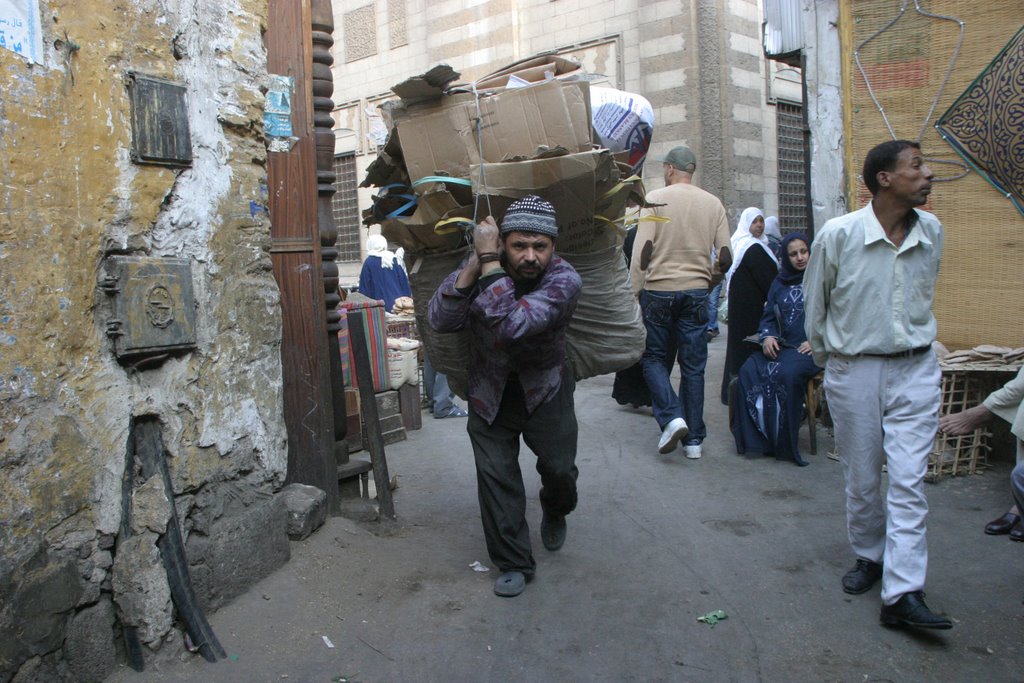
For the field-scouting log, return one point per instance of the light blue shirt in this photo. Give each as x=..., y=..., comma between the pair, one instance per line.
x=863, y=294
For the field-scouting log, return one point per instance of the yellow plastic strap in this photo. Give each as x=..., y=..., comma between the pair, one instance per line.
x=448, y=225
x=614, y=224
x=650, y=219
x=618, y=186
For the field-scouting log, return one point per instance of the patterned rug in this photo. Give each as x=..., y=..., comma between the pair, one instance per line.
x=986, y=124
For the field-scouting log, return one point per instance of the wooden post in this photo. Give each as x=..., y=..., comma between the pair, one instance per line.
x=295, y=254
x=368, y=405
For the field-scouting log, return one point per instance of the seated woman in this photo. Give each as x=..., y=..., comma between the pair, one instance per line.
x=770, y=390
x=754, y=267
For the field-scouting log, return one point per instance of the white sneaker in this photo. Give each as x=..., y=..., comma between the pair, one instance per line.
x=670, y=436
x=693, y=451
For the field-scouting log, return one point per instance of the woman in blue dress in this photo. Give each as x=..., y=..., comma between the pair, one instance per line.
x=770, y=389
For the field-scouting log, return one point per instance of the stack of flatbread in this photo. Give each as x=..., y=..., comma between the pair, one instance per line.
x=403, y=306
x=982, y=357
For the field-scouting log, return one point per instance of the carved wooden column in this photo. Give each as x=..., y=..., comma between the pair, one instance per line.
x=295, y=254
x=323, y=126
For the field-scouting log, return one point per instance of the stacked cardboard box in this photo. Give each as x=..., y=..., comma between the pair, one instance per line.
x=389, y=418
x=457, y=153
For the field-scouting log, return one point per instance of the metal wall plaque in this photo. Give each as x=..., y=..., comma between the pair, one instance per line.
x=160, y=133
x=152, y=306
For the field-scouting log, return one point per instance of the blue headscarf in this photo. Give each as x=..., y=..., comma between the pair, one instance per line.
x=788, y=275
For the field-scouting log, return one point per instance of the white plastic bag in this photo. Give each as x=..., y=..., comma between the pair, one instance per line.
x=623, y=121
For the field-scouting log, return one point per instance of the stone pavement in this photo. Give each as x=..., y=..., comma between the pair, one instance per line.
x=656, y=542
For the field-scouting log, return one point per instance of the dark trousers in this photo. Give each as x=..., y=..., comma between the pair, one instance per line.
x=550, y=432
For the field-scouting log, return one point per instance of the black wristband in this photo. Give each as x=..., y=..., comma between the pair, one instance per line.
x=488, y=257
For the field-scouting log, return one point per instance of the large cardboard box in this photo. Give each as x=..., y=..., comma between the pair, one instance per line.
x=396, y=111
x=389, y=419
x=571, y=182
x=514, y=122
x=532, y=69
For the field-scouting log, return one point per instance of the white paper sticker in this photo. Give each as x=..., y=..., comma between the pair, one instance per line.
x=19, y=28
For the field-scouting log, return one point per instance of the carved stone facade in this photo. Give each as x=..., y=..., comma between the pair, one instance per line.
x=360, y=31
x=397, y=34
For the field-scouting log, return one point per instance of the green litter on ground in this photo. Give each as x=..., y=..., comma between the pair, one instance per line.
x=713, y=617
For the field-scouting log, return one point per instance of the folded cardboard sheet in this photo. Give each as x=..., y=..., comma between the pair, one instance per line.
x=448, y=138
x=569, y=181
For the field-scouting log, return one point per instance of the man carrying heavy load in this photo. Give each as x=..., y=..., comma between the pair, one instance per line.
x=516, y=297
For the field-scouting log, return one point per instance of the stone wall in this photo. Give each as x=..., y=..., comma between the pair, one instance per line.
x=72, y=196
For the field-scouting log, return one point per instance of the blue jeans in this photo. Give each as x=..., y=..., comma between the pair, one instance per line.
x=1017, y=485
x=713, y=297
x=684, y=316
x=442, y=400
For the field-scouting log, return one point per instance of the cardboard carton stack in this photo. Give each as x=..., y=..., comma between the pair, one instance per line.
x=457, y=153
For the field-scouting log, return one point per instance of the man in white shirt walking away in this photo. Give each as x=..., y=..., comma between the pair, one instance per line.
x=869, y=289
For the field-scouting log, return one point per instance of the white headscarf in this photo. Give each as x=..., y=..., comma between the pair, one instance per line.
x=742, y=240
x=774, y=235
x=377, y=245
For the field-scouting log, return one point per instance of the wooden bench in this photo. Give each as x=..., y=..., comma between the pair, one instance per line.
x=813, y=399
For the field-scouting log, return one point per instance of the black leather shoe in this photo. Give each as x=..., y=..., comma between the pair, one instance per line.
x=910, y=610
x=861, y=578
x=1017, y=532
x=552, y=531
x=1003, y=525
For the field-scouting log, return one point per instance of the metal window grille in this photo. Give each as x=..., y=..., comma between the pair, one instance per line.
x=792, y=172
x=345, y=208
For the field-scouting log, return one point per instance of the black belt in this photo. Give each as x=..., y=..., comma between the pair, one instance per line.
x=900, y=354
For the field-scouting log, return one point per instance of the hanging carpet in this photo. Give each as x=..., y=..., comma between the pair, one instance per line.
x=986, y=124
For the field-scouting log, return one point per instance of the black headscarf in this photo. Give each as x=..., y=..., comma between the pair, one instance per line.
x=788, y=275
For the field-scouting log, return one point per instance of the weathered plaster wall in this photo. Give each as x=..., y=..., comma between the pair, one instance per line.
x=69, y=195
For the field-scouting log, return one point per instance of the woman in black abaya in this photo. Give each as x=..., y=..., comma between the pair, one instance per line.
x=753, y=269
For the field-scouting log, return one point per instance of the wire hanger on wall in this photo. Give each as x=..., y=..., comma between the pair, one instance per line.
x=938, y=94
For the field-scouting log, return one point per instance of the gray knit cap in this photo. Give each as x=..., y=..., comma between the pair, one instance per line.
x=530, y=214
